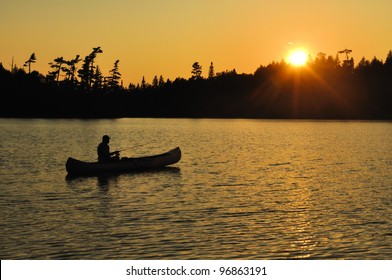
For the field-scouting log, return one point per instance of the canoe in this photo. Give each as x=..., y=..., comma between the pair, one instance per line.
x=77, y=167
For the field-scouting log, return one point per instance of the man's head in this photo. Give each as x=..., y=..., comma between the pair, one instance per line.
x=105, y=139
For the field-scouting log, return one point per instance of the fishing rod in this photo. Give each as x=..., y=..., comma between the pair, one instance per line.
x=129, y=148
x=122, y=150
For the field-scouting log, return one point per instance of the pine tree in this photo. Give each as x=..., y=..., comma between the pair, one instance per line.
x=161, y=81
x=32, y=59
x=155, y=81
x=98, y=79
x=86, y=73
x=211, y=72
x=388, y=60
x=56, y=65
x=348, y=63
x=196, y=71
x=143, y=85
x=70, y=68
x=114, y=78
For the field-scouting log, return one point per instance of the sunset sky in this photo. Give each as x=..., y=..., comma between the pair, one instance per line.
x=165, y=37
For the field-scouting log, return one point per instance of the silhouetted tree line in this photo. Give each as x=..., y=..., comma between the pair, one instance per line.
x=327, y=88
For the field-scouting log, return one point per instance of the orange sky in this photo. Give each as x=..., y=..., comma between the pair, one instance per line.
x=165, y=37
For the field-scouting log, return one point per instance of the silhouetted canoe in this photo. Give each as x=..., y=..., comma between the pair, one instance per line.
x=77, y=167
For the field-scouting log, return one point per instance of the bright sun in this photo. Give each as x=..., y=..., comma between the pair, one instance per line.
x=298, y=57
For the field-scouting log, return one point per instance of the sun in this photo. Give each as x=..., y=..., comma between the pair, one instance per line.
x=298, y=57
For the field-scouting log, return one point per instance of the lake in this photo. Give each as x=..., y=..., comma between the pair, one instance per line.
x=244, y=189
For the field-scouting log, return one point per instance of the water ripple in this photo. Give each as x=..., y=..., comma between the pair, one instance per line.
x=245, y=190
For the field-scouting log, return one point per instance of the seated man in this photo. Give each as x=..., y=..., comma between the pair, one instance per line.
x=103, y=150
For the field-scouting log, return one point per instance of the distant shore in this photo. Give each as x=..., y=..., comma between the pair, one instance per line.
x=324, y=89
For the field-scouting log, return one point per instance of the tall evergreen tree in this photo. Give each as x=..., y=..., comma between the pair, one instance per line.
x=348, y=63
x=56, y=65
x=98, y=79
x=114, y=78
x=70, y=68
x=32, y=59
x=161, y=81
x=388, y=60
x=143, y=85
x=211, y=71
x=86, y=73
x=155, y=81
x=196, y=70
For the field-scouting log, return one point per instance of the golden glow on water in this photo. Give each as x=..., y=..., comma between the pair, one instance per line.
x=244, y=189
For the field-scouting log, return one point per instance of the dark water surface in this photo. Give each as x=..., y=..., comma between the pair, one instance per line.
x=244, y=189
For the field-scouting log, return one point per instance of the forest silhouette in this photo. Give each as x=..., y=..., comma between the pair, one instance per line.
x=327, y=87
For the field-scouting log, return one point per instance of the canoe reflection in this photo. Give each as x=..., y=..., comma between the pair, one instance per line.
x=106, y=176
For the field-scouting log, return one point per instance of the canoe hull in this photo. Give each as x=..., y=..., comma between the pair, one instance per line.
x=77, y=167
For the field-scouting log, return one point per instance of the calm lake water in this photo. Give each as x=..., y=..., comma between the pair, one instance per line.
x=244, y=189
